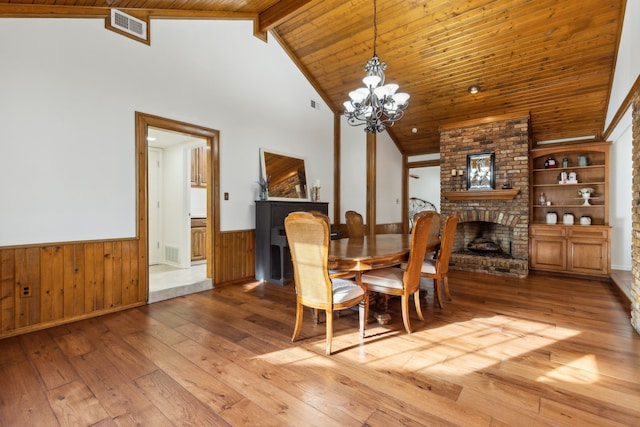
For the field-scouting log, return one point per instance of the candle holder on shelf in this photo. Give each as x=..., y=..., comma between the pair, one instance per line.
x=315, y=194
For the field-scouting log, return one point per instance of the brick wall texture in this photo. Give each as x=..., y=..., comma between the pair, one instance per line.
x=635, y=215
x=509, y=140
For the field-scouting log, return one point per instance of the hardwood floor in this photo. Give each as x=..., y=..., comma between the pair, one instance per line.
x=541, y=351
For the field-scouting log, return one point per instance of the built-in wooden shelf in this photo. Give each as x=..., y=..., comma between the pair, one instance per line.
x=481, y=194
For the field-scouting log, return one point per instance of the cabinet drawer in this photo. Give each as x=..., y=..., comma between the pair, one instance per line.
x=586, y=232
x=548, y=231
x=198, y=222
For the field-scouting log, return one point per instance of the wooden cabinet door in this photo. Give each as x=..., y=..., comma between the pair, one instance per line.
x=199, y=167
x=588, y=256
x=194, y=168
x=202, y=166
x=198, y=243
x=549, y=253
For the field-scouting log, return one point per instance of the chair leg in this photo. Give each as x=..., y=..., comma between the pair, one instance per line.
x=316, y=315
x=446, y=287
x=363, y=312
x=416, y=299
x=298, y=325
x=436, y=292
x=329, y=322
x=405, y=312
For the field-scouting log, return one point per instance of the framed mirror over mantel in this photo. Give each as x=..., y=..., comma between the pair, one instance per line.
x=285, y=174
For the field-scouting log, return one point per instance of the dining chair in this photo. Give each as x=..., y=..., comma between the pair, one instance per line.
x=332, y=273
x=308, y=238
x=438, y=268
x=404, y=282
x=355, y=224
x=434, y=239
x=322, y=215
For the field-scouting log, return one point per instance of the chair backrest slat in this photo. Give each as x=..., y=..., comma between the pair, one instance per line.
x=448, y=236
x=419, y=236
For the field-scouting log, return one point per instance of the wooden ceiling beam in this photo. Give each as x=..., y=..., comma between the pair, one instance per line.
x=278, y=13
x=45, y=11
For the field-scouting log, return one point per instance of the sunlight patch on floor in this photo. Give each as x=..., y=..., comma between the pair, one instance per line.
x=581, y=371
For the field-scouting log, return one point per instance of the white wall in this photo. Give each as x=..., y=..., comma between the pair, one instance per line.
x=353, y=169
x=427, y=185
x=620, y=200
x=628, y=60
x=70, y=90
x=388, y=180
x=626, y=72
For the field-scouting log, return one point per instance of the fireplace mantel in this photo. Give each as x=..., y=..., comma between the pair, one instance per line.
x=481, y=194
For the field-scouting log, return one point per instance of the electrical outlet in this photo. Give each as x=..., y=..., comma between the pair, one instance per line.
x=26, y=291
x=226, y=196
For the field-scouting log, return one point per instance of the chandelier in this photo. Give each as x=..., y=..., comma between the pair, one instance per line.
x=376, y=106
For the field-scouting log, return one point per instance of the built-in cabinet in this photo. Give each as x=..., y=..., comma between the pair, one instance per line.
x=198, y=238
x=555, y=244
x=273, y=259
x=199, y=167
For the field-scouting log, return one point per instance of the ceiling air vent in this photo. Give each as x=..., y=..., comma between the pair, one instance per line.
x=128, y=25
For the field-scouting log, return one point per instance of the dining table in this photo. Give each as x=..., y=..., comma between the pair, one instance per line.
x=359, y=255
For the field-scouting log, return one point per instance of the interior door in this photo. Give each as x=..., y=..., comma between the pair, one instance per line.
x=155, y=231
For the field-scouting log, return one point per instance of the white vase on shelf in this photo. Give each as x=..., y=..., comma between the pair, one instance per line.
x=586, y=197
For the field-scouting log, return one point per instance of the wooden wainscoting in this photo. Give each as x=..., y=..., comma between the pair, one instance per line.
x=47, y=285
x=235, y=256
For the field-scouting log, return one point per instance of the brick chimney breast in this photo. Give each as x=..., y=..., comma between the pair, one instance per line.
x=508, y=138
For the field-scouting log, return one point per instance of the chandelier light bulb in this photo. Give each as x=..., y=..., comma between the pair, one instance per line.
x=371, y=81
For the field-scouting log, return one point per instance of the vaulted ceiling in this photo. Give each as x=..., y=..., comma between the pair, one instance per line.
x=552, y=59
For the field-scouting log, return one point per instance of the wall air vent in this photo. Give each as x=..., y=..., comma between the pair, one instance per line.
x=171, y=254
x=128, y=25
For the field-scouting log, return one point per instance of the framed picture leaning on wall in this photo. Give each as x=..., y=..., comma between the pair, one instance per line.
x=481, y=171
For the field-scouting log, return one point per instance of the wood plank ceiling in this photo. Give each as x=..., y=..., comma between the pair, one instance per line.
x=552, y=59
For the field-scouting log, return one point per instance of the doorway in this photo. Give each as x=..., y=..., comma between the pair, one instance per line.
x=172, y=204
x=423, y=187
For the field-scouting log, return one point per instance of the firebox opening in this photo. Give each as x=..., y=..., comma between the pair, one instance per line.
x=485, y=239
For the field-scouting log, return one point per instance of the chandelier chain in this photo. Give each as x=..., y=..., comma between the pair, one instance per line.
x=375, y=27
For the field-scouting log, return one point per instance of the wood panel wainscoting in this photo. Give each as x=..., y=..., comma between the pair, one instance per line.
x=236, y=257
x=47, y=285
x=543, y=351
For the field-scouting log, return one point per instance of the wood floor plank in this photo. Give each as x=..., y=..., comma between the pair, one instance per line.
x=75, y=404
x=23, y=400
x=115, y=391
x=539, y=351
x=201, y=384
x=175, y=402
x=559, y=414
x=148, y=416
x=52, y=365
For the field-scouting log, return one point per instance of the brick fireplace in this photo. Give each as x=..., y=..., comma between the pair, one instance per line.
x=498, y=220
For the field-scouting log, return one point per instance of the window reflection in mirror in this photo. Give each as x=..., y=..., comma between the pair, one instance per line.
x=287, y=175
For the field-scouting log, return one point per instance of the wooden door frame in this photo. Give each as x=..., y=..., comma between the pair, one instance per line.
x=212, y=137
x=406, y=168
